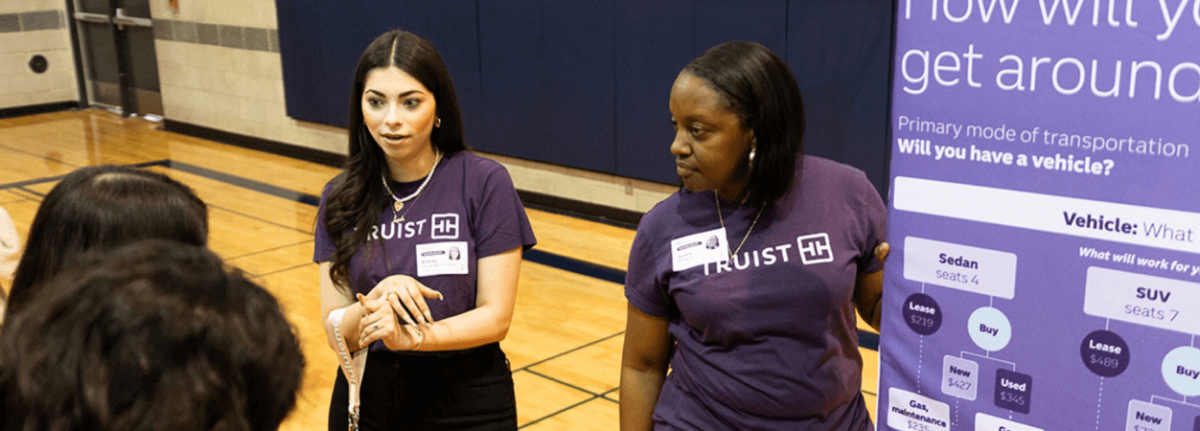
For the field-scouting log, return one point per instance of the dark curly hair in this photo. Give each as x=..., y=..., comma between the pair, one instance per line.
x=151, y=336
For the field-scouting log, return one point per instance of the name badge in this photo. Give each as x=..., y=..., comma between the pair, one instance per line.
x=699, y=249
x=442, y=258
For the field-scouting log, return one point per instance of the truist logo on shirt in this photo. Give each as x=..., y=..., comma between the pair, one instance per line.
x=444, y=226
x=815, y=248
x=398, y=230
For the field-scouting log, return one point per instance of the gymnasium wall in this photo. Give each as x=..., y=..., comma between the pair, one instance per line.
x=209, y=80
x=29, y=28
x=585, y=84
x=218, y=65
x=570, y=96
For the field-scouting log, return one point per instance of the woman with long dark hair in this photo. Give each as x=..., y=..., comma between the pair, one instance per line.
x=98, y=208
x=745, y=282
x=411, y=196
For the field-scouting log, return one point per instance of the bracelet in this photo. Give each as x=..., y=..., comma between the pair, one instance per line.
x=420, y=339
x=420, y=335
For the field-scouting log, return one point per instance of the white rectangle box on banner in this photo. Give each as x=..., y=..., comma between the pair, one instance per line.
x=1143, y=299
x=957, y=266
x=909, y=411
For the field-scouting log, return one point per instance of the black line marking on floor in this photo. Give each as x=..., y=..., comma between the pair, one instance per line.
x=568, y=351
x=284, y=270
x=264, y=251
x=558, y=412
x=231, y=260
x=577, y=266
x=593, y=394
x=33, y=195
x=605, y=394
x=211, y=206
x=22, y=184
x=246, y=183
x=42, y=157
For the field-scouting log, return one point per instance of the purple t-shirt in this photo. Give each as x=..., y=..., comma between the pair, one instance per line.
x=469, y=210
x=767, y=340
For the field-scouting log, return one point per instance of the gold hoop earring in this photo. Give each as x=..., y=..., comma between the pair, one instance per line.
x=437, y=122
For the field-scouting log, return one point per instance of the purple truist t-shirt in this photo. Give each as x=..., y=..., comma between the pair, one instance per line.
x=469, y=210
x=767, y=340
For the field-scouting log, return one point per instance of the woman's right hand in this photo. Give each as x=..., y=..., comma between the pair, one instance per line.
x=380, y=323
x=882, y=250
x=407, y=299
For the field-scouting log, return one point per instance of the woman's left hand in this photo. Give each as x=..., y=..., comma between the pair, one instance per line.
x=381, y=323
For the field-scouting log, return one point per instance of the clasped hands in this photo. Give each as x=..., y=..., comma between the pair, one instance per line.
x=398, y=298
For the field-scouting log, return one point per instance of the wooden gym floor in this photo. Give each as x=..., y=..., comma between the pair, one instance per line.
x=566, y=335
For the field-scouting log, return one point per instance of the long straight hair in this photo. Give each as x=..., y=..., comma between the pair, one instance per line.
x=357, y=198
x=98, y=208
x=758, y=87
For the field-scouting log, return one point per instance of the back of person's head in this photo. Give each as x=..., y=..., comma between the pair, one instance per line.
x=759, y=88
x=155, y=335
x=98, y=208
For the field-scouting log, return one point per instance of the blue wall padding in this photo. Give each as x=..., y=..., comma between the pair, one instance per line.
x=763, y=21
x=320, y=46
x=304, y=65
x=645, y=73
x=548, y=82
x=585, y=84
x=840, y=52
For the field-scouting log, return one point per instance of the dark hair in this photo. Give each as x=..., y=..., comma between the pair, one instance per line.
x=353, y=205
x=154, y=335
x=759, y=88
x=98, y=208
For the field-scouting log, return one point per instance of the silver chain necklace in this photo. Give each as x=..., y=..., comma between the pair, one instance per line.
x=399, y=205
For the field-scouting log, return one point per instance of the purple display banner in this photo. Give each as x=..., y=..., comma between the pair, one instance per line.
x=1044, y=217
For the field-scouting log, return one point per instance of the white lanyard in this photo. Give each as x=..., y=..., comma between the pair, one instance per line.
x=354, y=365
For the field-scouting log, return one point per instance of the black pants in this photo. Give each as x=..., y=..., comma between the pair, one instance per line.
x=465, y=390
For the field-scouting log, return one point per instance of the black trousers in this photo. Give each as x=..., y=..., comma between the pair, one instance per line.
x=464, y=390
